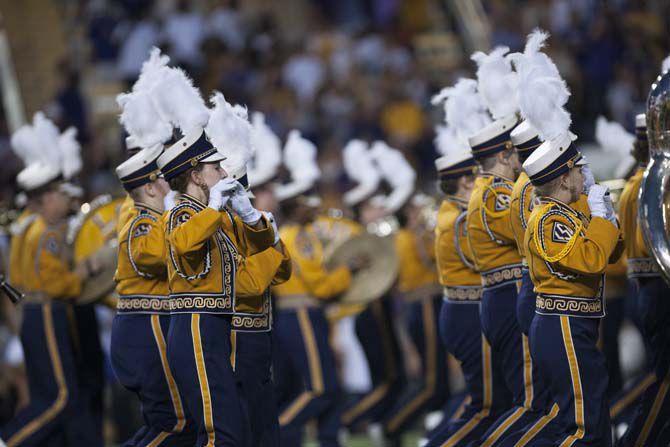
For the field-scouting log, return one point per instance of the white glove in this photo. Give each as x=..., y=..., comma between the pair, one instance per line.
x=170, y=200
x=271, y=218
x=220, y=193
x=596, y=201
x=589, y=180
x=241, y=204
x=611, y=215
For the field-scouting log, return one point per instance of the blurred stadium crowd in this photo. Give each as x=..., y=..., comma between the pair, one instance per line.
x=338, y=69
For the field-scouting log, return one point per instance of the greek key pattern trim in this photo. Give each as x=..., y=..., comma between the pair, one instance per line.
x=198, y=303
x=467, y=294
x=570, y=306
x=642, y=268
x=251, y=323
x=156, y=304
x=502, y=275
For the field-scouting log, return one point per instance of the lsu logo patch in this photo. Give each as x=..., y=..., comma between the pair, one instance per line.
x=502, y=202
x=141, y=230
x=561, y=233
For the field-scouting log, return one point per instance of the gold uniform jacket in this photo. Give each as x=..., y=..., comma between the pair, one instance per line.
x=417, y=275
x=253, y=312
x=640, y=263
x=567, y=254
x=490, y=233
x=18, y=231
x=310, y=282
x=125, y=212
x=46, y=261
x=455, y=268
x=521, y=205
x=141, y=274
x=204, y=249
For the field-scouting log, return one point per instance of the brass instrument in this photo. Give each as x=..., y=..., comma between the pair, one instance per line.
x=654, y=199
x=375, y=246
x=92, y=237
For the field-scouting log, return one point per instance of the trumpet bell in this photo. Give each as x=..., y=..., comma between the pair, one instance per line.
x=654, y=199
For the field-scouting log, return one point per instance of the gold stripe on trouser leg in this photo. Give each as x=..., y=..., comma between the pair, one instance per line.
x=632, y=395
x=378, y=393
x=430, y=367
x=204, y=382
x=461, y=408
x=576, y=383
x=516, y=415
x=314, y=364
x=233, y=349
x=487, y=386
x=527, y=372
x=62, y=396
x=313, y=359
x=653, y=413
x=167, y=372
x=537, y=427
x=162, y=436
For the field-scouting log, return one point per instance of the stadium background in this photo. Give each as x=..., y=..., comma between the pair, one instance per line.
x=335, y=69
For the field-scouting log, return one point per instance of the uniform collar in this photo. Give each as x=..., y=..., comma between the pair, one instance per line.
x=490, y=174
x=462, y=204
x=190, y=198
x=144, y=207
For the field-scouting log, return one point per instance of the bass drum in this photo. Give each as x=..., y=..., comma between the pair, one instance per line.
x=92, y=235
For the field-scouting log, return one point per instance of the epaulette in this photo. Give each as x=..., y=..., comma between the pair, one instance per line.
x=523, y=204
x=85, y=213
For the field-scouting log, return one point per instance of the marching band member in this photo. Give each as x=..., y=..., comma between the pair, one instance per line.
x=140, y=327
x=567, y=254
x=417, y=284
x=374, y=324
x=492, y=242
x=49, y=283
x=460, y=326
x=251, y=338
x=203, y=261
x=653, y=409
x=302, y=328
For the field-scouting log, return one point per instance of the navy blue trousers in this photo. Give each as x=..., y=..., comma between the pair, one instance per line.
x=566, y=350
x=511, y=357
x=139, y=360
x=90, y=370
x=50, y=362
x=461, y=334
x=432, y=391
x=199, y=355
x=652, y=415
x=303, y=339
x=253, y=369
x=375, y=332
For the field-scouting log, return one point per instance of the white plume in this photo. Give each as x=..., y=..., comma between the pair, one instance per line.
x=140, y=118
x=665, y=66
x=229, y=131
x=139, y=115
x=447, y=140
x=496, y=82
x=360, y=167
x=267, y=151
x=26, y=144
x=153, y=70
x=300, y=160
x=48, y=135
x=613, y=137
x=179, y=102
x=397, y=172
x=465, y=110
x=542, y=91
x=70, y=153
